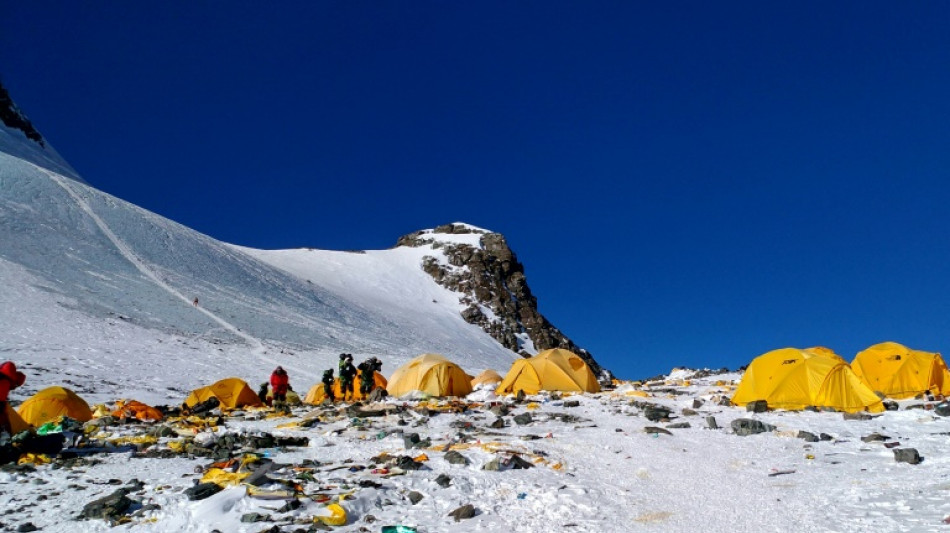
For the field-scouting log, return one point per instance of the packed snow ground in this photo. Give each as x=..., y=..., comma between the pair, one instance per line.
x=598, y=472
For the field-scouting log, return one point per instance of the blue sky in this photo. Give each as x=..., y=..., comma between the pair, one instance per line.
x=687, y=183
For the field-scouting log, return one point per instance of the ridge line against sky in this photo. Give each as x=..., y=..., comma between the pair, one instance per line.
x=686, y=184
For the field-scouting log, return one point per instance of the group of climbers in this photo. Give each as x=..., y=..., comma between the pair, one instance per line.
x=348, y=374
x=280, y=382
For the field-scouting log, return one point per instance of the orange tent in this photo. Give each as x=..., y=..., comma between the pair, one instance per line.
x=134, y=409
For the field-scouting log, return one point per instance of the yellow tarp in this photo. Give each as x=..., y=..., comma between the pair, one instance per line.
x=231, y=392
x=53, y=402
x=316, y=395
x=793, y=379
x=224, y=478
x=432, y=374
x=900, y=372
x=550, y=370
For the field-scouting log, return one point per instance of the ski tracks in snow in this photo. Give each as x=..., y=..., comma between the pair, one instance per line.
x=257, y=347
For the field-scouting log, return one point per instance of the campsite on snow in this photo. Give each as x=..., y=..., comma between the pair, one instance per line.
x=277, y=279
x=152, y=420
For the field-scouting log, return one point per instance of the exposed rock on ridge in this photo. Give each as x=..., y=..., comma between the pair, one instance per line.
x=12, y=117
x=495, y=291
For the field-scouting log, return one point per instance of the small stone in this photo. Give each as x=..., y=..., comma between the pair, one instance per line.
x=455, y=458
x=443, y=481
x=697, y=403
x=656, y=414
x=689, y=412
x=523, y=419
x=890, y=405
x=253, y=517
x=758, y=406
x=875, y=437
x=907, y=455
x=499, y=410
x=807, y=436
x=857, y=416
x=463, y=513
x=415, y=497
x=109, y=508
x=498, y=423
x=572, y=403
x=711, y=422
x=26, y=527
x=202, y=491
x=679, y=425
x=744, y=427
x=655, y=430
x=942, y=409
x=826, y=437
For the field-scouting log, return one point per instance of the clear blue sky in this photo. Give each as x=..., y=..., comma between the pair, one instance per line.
x=687, y=183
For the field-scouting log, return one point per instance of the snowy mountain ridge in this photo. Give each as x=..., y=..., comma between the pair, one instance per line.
x=96, y=285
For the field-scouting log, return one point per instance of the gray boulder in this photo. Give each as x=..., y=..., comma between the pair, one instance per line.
x=907, y=455
x=455, y=458
x=464, y=512
x=523, y=419
x=744, y=427
x=758, y=406
x=110, y=507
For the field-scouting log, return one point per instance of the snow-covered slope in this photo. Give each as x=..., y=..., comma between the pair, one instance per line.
x=90, y=278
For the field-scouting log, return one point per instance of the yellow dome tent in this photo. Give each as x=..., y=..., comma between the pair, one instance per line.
x=316, y=395
x=231, y=392
x=792, y=379
x=51, y=403
x=900, y=372
x=432, y=374
x=487, y=376
x=550, y=370
x=17, y=424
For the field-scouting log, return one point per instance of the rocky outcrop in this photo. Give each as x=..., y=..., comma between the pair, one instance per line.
x=493, y=288
x=12, y=117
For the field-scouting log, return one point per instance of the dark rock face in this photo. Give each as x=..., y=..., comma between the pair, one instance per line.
x=12, y=117
x=490, y=277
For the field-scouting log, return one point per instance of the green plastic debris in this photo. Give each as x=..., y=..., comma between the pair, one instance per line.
x=399, y=529
x=49, y=427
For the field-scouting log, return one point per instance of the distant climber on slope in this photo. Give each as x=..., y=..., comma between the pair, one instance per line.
x=10, y=378
x=195, y=302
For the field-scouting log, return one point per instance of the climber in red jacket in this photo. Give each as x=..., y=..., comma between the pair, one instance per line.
x=279, y=384
x=10, y=378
